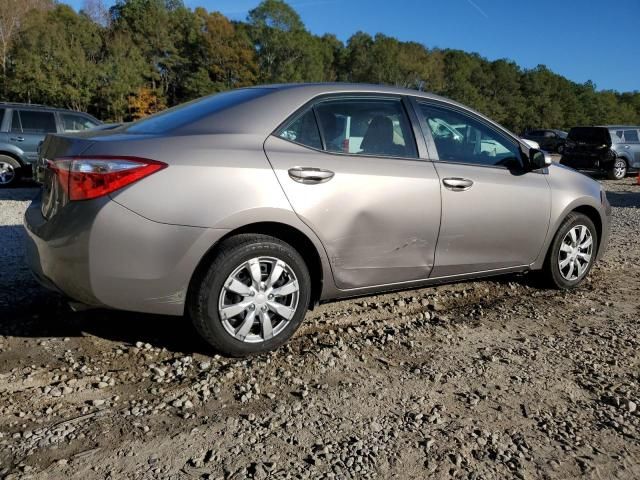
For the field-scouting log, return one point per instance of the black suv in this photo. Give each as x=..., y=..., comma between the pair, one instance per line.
x=612, y=149
x=550, y=140
x=24, y=126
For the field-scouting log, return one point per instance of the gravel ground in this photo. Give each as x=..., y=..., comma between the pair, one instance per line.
x=479, y=380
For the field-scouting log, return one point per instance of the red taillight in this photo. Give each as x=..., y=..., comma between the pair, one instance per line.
x=84, y=178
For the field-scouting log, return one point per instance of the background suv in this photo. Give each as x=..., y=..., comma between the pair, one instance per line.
x=24, y=126
x=550, y=140
x=613, y=149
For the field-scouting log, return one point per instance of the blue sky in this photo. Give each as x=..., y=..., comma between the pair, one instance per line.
x=596, y=40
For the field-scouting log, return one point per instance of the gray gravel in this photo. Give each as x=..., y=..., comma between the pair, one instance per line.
x=481, y=380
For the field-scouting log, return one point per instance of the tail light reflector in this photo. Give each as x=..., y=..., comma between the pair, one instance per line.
x=84, y=178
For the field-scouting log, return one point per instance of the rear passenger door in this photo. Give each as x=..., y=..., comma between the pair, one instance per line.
x=350, y=168
x=28, y=129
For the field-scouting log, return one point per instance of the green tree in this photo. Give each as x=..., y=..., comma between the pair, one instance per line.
x=55, y=59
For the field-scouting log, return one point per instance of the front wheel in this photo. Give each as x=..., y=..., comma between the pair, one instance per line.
x=618, y=169
x=253, y=296
x=560, y=148
x=572, y=252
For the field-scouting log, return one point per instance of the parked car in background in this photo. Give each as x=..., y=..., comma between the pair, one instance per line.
x=612, y=149
x=550, y=140
x=243, y=211
x=24, y=126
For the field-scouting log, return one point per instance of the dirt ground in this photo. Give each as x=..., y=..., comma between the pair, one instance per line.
x=480, y=380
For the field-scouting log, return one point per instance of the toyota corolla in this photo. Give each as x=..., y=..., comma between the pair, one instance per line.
x=242, y=210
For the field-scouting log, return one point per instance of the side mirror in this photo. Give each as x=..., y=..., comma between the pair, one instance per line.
x=539, y=159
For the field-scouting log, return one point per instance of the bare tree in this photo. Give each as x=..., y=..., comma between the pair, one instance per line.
x=97, y=11
x=11, y=14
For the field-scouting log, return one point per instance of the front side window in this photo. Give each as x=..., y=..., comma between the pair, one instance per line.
x=37, y=122
x=631, y=136
x=303, y=130
x=76, y=123
x=370, y=126
x=460, y=138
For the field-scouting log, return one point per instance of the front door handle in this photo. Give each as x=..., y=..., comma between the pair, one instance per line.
x=457, y=184
x=17, y=139
x=310, y=175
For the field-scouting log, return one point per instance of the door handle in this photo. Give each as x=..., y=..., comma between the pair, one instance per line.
x=310, y=175
x=457, y=184
x=626, y=146
x=17, y=139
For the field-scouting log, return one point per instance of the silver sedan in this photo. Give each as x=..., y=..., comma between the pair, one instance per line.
x=242, y=210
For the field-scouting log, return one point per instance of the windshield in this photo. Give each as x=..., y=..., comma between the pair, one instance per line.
x=590, y=135
x=195, y=110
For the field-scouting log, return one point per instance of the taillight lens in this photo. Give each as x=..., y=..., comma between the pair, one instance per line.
x=84, y=178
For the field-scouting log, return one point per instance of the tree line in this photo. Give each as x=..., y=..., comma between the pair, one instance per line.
x=141, y=56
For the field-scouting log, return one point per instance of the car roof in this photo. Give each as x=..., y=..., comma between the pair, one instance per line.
x=619, y=126
x=265, y=113
x=36, y=106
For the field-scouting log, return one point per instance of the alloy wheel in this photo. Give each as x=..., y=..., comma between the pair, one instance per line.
x=619, y=169
x=575, y=253
x=7, y=173
x=258, y=299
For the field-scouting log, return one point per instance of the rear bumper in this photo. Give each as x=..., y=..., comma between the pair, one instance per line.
x=99, y=253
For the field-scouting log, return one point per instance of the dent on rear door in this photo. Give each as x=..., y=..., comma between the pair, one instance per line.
x=377, y=218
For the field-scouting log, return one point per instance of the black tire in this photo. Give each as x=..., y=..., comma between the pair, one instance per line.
x=560, y=148
x=207, y=287
x=617, y=170
x=8, y=166
x=551, y=272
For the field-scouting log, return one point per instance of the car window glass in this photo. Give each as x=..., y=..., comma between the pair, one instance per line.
x=631, y=136
x=76, y=123
x=1, y=116
x=463, y=139
x=303, y=130
x=15, y=122
x=37, y=122
x=377, y=127
x=549, y=134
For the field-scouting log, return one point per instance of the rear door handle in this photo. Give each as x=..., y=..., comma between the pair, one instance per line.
x=17, y=139
x=310, y=175
x=457, y=184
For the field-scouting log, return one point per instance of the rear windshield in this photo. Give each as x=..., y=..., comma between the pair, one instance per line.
x=193, y=111
x=590, y=135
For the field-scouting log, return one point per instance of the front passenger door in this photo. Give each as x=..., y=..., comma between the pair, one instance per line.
x=495, y=213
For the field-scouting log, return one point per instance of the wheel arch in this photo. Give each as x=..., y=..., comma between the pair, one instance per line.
x=287, y=233
x=12, y=154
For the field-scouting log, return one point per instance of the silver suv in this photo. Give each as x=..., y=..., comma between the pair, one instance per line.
x=23, y=127
x=246, y=208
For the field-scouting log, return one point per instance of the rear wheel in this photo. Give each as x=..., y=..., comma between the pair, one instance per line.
x=618, y=169
x=253, y=296
x=560, y=148
x=572, y=252
x=9, y=171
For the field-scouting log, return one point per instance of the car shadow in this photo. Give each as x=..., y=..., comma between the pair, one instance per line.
x=624, y=199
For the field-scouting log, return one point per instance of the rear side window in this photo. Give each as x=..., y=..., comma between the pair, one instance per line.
x=37, y=122
x=370, y=126
x=303, y=130
x=73, y=122
x=631, y=136
x=193, y=111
